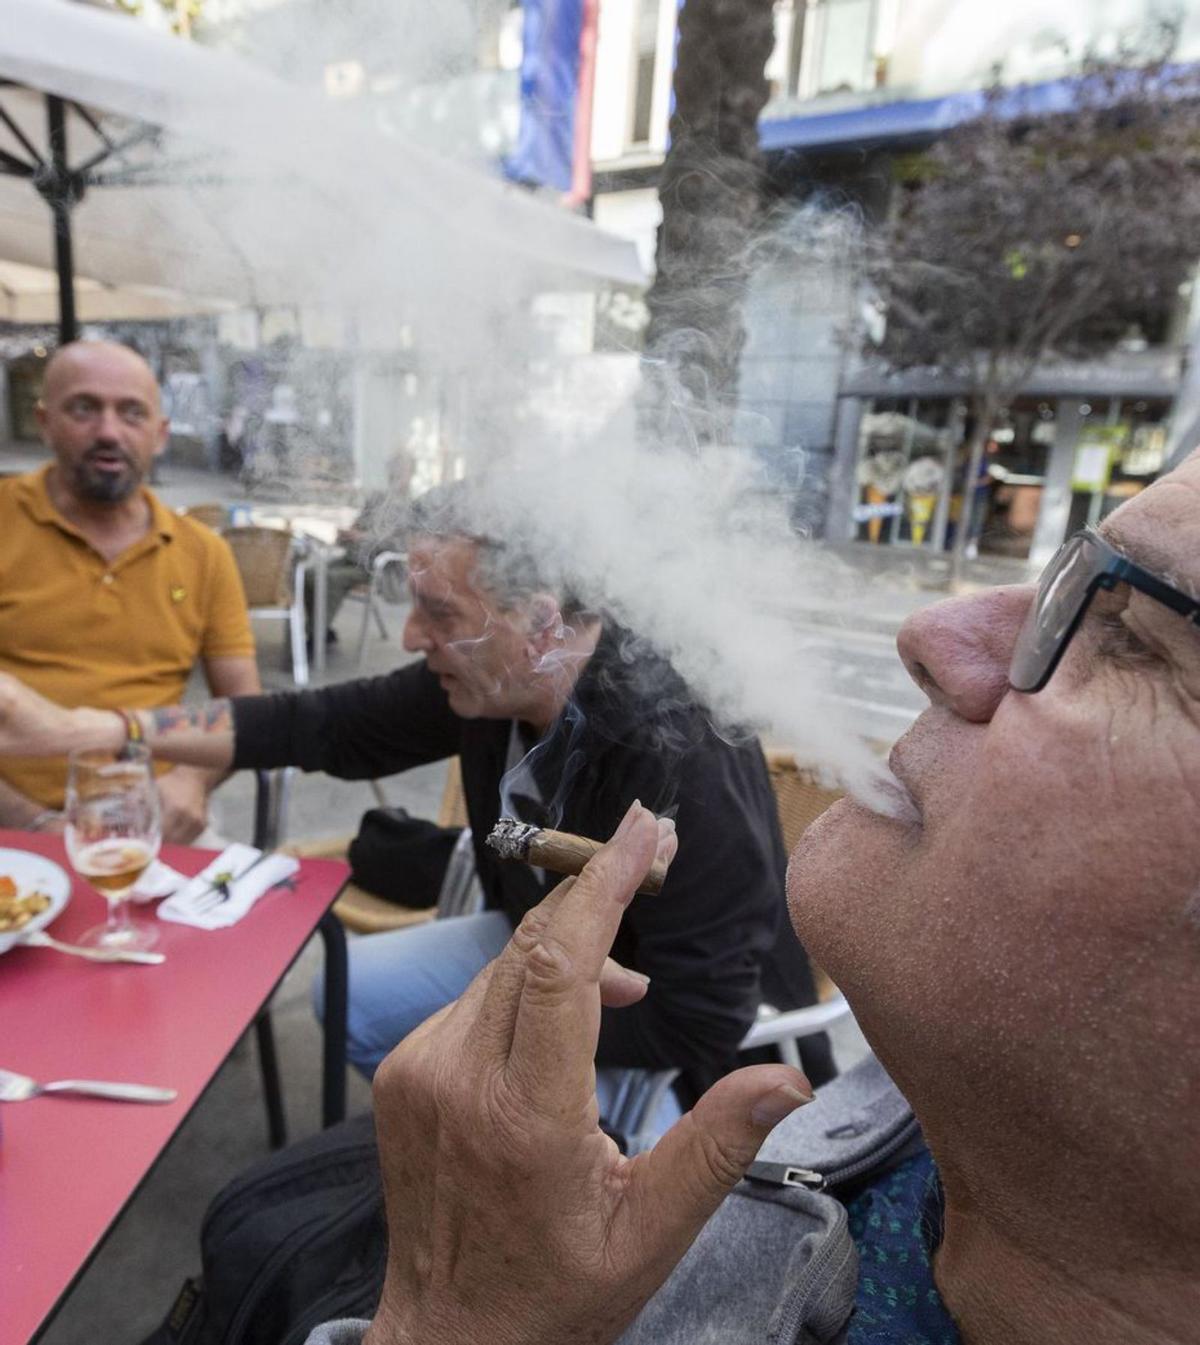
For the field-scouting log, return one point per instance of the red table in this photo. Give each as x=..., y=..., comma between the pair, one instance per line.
x=68, y=1166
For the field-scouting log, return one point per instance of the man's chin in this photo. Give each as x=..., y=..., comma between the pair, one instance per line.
x=107, y=487
x=464, y=702
x=835, y=857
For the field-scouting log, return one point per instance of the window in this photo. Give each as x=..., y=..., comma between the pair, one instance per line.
x=844, y=31
x=823, y=46
x=783, y=67
x=645, y=52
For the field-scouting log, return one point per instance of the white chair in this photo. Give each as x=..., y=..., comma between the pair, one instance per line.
x=637, y=1095
x=378, y=587
x=272, y=564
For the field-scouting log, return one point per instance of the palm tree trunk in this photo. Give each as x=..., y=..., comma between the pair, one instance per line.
x=711, y=196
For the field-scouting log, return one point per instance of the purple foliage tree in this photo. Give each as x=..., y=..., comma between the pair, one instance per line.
x=1017, y=237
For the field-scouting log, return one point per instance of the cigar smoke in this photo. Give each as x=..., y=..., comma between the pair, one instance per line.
x=689, y=547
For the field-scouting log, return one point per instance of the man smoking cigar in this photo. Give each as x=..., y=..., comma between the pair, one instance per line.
x=1024, y=959
x=511, y=663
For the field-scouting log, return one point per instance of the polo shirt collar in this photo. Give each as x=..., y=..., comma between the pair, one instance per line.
x=35, y=496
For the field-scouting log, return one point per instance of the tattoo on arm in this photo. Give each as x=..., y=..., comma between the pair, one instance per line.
x=212, y=717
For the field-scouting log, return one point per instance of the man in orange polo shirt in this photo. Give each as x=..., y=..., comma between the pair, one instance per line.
x=106, y=596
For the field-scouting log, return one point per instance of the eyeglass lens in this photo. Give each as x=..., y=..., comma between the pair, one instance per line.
x=1060, y=597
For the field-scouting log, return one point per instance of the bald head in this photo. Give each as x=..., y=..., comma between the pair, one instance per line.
x=101, y=415
x=98, y=359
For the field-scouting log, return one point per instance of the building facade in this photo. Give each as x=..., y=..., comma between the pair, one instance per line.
x=870, y=456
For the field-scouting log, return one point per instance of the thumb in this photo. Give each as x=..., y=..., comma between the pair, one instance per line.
x=695, y=1165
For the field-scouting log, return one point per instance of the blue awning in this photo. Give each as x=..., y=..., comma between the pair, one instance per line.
x=873, y=124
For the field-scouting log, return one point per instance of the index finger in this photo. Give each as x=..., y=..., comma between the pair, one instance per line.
x=558, y=1016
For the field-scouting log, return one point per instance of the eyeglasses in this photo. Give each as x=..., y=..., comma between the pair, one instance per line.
x=1083, y=565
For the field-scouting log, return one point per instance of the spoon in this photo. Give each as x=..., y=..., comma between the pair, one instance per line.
x=38, y=938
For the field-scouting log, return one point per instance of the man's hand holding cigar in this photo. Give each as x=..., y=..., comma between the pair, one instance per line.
x=513, y=1219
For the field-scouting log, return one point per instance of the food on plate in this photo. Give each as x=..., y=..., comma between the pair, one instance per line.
x=16, y=911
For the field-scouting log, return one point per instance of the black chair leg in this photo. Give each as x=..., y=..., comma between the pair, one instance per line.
x=272, y=1090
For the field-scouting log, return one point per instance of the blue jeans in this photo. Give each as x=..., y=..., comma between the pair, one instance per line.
x=399, y=979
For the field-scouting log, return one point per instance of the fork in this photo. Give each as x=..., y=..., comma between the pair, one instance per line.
x=19, y=1087
x=219, y=892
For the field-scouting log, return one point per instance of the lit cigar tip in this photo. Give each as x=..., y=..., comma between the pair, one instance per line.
x=511, y=839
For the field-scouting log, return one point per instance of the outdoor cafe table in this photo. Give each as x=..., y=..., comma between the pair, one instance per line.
x=69, y=1165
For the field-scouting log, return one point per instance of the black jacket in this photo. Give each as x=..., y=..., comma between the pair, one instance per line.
x=631, y=732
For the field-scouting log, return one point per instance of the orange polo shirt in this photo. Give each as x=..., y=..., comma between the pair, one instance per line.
x=84, y=631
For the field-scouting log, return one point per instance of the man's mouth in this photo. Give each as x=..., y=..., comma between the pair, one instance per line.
x=107, y=460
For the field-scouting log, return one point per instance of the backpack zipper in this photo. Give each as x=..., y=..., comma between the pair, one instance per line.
x=788, y=1174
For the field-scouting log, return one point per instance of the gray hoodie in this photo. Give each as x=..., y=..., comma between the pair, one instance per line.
x=776, y=1263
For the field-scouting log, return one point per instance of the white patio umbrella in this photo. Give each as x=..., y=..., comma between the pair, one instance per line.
x=223, y=182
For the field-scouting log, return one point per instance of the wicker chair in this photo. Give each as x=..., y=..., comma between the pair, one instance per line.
x=210, y=513
x=271, y=563
x=799, y=795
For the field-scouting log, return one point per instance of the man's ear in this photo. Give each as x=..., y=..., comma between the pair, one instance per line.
x=545, y=622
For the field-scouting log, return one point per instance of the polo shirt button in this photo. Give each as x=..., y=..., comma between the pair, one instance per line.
x=107, y=579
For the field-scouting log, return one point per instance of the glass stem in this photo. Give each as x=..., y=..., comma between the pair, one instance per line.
x=119, y=923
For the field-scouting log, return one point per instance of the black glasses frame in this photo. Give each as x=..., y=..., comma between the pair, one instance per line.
x=1108, y=569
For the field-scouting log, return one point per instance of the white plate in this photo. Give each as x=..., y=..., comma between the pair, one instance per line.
x=34, y=873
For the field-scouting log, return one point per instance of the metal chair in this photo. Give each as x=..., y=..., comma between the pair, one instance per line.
x=371, y=593
x=272, y=564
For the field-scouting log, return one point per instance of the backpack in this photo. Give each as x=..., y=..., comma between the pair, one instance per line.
x=296, y=1240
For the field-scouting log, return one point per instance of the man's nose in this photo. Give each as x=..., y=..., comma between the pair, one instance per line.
x=958, y=651
x=108, y=426
x=416, y=636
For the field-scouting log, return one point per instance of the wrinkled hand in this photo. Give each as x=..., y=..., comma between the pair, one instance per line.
x=183, y=793
x=513, y=1220
x=30, y=725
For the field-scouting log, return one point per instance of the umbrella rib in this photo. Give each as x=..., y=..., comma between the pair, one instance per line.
x=134, y=138
x=99, y=131
x=9, y=163
x=22, y=137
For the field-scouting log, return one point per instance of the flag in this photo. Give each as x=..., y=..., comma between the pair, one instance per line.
x=545, y=148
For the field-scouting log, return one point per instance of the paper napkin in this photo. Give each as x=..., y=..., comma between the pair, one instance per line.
x=197, y=903
x=159, y=880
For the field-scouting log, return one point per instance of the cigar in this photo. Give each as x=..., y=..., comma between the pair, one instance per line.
x=557, y=851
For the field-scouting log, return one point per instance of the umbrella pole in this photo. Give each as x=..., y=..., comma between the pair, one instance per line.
x=61, y=199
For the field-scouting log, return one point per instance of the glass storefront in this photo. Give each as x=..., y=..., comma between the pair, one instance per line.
x=905, y=448
x=912, y=460
x=1121, y=448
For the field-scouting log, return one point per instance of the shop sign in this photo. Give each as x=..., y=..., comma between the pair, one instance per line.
x=1095, y=455
x=863, y=513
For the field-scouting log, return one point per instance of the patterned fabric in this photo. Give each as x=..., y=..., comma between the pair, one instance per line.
x=896, y=1225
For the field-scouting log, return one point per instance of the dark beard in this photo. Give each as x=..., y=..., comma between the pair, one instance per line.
x=105, y=487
